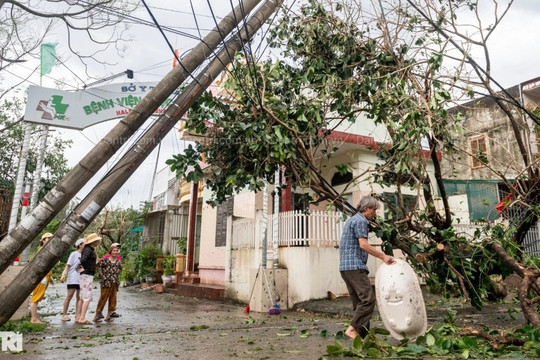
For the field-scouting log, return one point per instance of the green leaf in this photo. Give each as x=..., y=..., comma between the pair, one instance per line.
x=277, y=131
x=336, y=349
x=374, y=353
x=417, y=349
x=430, y=340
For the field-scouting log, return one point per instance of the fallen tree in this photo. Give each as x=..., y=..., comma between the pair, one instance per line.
x=404, y=73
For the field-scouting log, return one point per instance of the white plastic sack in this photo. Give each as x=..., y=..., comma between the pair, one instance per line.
x=400, y=301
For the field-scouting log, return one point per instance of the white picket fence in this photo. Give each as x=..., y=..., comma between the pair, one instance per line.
x=318, y=229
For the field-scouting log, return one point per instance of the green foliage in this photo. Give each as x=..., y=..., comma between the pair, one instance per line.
x=147, y=259
x=335, y=74
x=181, y=244
x=283, y=109
x=23, y=326
x=129, y=267
x=114, y=225
x=441, y=341
x=168, y=265
x=198, y=327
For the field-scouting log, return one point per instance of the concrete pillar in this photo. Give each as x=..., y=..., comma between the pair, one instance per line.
x=269, y=290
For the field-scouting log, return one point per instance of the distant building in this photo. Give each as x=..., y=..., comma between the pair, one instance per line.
x=474, y=177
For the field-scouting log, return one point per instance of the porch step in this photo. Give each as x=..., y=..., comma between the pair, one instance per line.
x=200, y=291
x=191, y=279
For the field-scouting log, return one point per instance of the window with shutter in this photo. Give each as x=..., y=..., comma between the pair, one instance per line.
x=224, y=210
x=478, y=148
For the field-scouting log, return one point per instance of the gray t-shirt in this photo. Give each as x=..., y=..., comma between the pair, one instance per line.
x=73, y=261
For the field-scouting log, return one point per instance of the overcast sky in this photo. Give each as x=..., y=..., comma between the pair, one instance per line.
x=515, y=50
x=150, y=57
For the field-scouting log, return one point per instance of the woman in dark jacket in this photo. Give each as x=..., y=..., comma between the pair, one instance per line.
x=87, y=272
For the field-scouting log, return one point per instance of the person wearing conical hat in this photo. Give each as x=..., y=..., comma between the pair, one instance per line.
x=87, y=270
x=39, y=292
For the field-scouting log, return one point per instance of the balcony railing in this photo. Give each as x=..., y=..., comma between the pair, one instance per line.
x=318, y=229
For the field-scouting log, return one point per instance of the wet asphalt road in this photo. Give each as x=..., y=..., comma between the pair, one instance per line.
x=165, y=326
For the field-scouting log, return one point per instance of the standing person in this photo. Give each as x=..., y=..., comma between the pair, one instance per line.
x=73, y=286
x=39, y=292
x=109, y=268
x=353, y=255
x=87, y=271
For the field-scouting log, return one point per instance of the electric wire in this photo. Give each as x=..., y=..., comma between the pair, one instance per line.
x=239, y=38
x=224, y=40
x=170, y=46
x=147, y=23
x=195, y=18
x=252, y=69
x=180, y=11
x=271, y=22
x=169, y=43
x=139, y=21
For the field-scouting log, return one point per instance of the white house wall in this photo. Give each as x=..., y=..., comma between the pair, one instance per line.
x=311, y=271
x=211, y=258
x=367, y=127
x=165, y=189
x=244, y=205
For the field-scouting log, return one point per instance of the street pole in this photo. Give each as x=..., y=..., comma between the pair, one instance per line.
x=275, y=219
x=192, y=224
x=39, y=166
x=26, y=199
x=20, y=236
x=264, y=227
x=19, y=183
x=18, y=290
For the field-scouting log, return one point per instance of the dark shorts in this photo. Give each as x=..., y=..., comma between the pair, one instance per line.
x=73, y=286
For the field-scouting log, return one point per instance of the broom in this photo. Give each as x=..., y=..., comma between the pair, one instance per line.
x=246, y=309
x=276, y=309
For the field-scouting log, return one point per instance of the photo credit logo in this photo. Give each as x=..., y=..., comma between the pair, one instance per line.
x=11, y=341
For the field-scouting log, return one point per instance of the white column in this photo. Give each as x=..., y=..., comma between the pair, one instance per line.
x=20, y=176
x=275, y=219
x=39, y=166
x=264, y=225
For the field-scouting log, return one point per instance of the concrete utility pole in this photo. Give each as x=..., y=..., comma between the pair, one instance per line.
x=29, y=227
x=19, y=289
x=21, y=172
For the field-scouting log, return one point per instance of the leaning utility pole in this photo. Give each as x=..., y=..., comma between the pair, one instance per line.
x=29, y=227
x=19, y=289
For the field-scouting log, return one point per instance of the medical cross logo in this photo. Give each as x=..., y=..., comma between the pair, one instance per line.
x=11, y=341
x=53, y=109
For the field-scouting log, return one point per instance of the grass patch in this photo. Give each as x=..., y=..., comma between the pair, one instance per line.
x=22, y=326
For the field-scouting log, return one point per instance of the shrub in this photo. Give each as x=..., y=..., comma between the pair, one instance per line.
x=148, y=260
